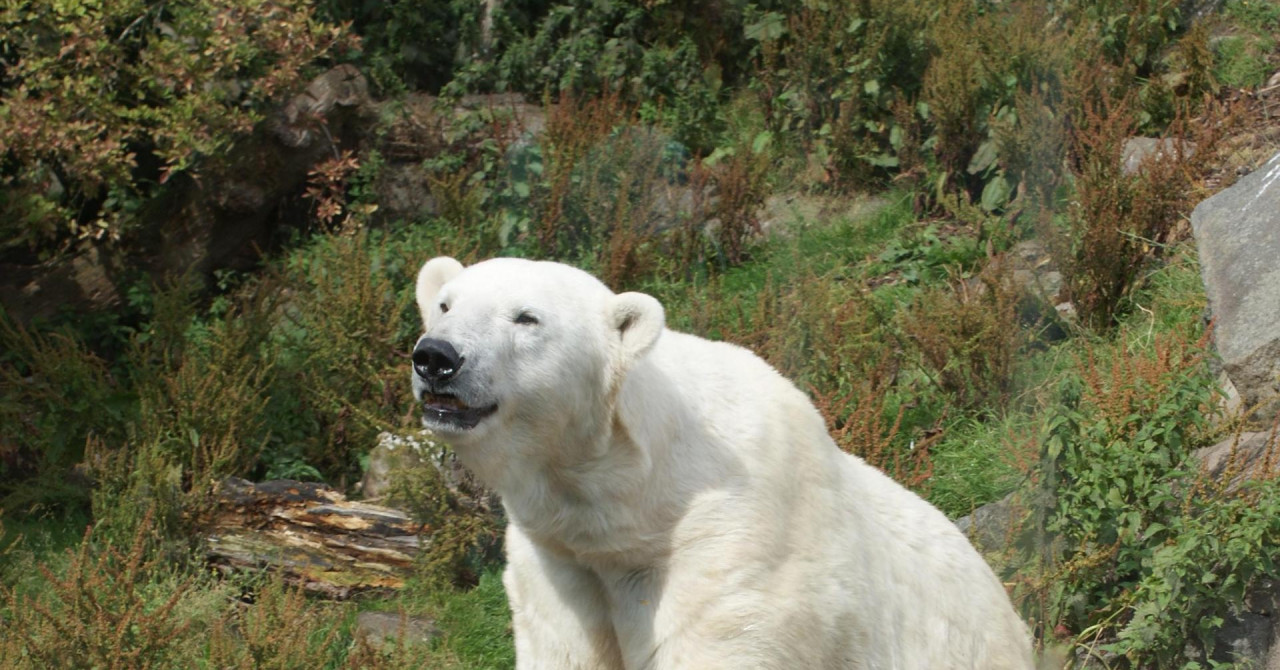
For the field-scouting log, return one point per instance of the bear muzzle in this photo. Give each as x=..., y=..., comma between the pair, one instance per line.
x=436, y=363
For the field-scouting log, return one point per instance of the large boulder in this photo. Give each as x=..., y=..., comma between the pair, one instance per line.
x=1236, y=232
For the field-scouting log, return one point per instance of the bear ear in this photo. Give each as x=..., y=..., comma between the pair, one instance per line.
x=636, y=320
x=433, y=275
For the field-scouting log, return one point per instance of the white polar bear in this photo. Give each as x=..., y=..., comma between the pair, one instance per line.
x=675, y=502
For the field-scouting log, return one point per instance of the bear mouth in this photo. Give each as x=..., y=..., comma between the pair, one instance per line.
x=449, y=411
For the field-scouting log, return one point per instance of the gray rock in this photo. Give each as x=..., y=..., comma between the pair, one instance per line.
x=1237, y=235
x=991, y=526
x=1241, y=458
x=1034, y=271
x=1138, y=150
x=1194, y=10
x=1244, y=638
x=1248, y=636
x=404, y=193
x=296, y=127
x=393, y=453
x=396, y=453
x=379, y=629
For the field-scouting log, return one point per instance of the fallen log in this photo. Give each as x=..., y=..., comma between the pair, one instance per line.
x=313, y=536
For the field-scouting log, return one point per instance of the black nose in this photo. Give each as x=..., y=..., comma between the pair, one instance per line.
x=436, y=360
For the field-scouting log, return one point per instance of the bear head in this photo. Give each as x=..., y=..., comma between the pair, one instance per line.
x=518, y=353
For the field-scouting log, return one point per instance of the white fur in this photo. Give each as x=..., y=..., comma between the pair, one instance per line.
x=676, y=503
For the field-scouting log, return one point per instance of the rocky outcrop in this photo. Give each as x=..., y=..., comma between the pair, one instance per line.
x=227, y=216
x=1235, y=232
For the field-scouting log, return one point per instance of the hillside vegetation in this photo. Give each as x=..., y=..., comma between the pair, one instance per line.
x=916, y=209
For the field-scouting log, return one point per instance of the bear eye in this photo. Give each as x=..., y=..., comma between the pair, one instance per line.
x=526, y=318
x=444, y=308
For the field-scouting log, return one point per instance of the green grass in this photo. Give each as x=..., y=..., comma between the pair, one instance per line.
x=477, y=625
x=1241, y=59
x=978, y=462
x=809, y=249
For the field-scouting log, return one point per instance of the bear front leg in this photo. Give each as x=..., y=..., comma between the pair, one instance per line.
x=559, y=611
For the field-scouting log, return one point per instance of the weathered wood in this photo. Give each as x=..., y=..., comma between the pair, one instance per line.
x=313, y=535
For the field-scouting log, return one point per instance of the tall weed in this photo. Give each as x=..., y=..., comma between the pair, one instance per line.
x=100, y=613
x=966, y=335
x=338, y=342
x=1120, y=219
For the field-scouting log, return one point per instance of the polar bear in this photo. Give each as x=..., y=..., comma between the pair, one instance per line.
x=675, y=502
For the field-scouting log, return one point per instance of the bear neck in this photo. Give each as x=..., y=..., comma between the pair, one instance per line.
x=559, y=502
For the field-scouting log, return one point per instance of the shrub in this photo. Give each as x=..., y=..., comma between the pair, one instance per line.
x=103, y=103
x=277, y=630
x=410, y=44
x=1118, y=220
x=669, y=59
x=338, y=344
x=738, y=184
x=1205, y=564
x=966, y=335
x=465, y=537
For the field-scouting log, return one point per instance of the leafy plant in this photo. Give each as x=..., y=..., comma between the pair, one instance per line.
x=1154, y=555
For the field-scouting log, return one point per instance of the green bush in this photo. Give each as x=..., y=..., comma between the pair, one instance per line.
x=1153, y=555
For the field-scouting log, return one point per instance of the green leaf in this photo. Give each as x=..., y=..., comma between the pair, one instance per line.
x=770, y=27
x=761, y=142
x=983, y=158
x=882, y=160
x=996, y=193
x=718, y=154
